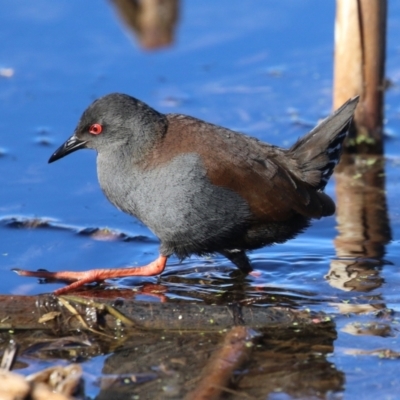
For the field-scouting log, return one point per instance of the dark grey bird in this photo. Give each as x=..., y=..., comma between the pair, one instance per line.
x=202, y=188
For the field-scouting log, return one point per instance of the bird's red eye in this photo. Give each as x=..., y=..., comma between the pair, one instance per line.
x=95, y=129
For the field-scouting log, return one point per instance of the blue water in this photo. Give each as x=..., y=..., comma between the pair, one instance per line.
x=264, y=68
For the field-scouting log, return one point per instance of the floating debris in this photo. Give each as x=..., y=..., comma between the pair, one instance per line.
x=368, y=329
x=62, y=380
x=107, y=235
x=43, y=140
x=103, y=234
x=29, y=223
x=381, y=353
x=6, y=72
x=59, y=382
x=276, y=71
x=43, y=130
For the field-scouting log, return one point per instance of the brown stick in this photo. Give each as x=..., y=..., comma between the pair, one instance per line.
x=68, y=313
x=233, y=353
x=360, y=51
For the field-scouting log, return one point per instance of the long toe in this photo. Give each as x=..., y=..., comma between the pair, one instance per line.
x=95, y=275
x=65, y=276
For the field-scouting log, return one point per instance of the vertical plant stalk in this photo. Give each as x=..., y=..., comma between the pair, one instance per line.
x=359, y=67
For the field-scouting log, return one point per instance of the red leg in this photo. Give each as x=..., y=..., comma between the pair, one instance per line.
x=95, y=275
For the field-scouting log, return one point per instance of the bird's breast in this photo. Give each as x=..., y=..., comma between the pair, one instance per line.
x=175, y=200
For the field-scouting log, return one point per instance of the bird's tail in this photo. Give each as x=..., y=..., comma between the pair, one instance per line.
x=318, y=152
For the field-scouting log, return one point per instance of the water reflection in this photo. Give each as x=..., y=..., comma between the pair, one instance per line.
x=159, y=350
x=152, y=21
x=294, y=366
x=363, y=224
x=286, y=361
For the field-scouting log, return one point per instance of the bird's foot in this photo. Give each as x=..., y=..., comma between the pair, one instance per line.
x=79, y=279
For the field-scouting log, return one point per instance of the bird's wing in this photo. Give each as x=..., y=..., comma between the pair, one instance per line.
x=259, y=173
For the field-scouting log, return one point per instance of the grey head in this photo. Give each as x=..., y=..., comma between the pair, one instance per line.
x=115, y=121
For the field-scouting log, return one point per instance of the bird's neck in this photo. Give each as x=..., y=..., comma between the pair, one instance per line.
x=147, y=132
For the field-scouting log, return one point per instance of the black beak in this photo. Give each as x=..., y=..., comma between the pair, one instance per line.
x=71, y=145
